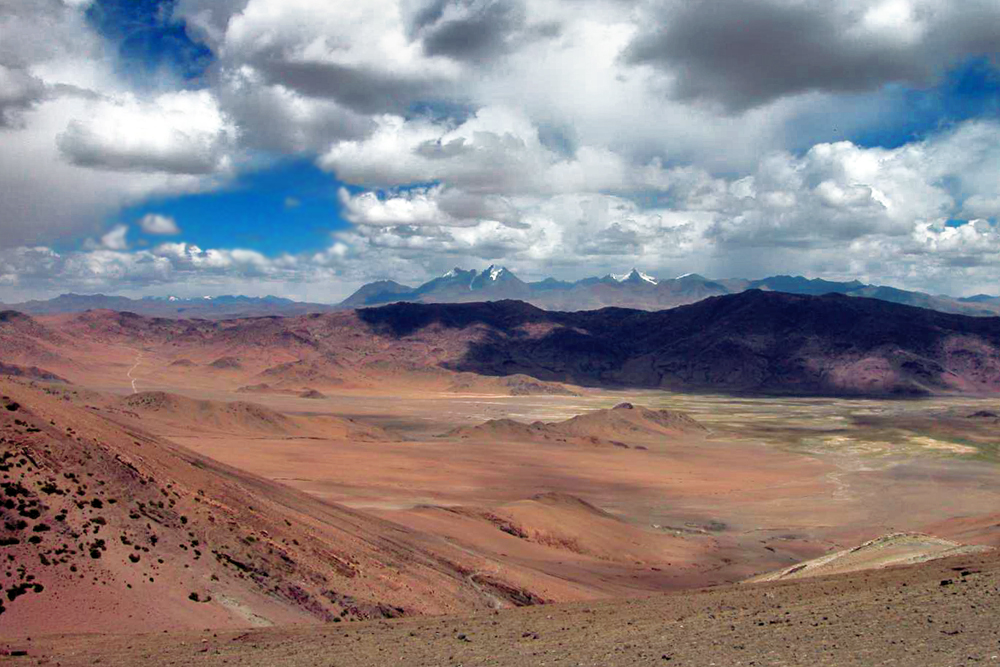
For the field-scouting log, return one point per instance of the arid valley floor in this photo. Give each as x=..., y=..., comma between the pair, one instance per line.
x=262, y=506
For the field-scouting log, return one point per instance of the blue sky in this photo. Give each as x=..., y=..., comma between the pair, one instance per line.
x=969, y=90
x=331, y=143
x=288, y=207
x=149, y=39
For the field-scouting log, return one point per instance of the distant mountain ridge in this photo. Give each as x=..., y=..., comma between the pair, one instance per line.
x=639, y=290
x=207, y=307
x=634, y=289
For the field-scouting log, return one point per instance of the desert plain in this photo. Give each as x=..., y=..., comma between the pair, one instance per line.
x=378, y=488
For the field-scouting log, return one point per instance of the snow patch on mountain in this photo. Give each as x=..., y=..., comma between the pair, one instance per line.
x=635, y=275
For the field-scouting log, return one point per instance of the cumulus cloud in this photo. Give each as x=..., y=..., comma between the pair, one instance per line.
x=115, y=239
x=838, y=210
x=412, y=208
x=19, y=91
x=276, y=117
x=159, y=225
x=356, y=53
x=803, y=209
x=744, y=53
x=39, y=270
x=177, y=133
x=160, y=143
x=496, y=151
x=474, y=30
x=546, y=135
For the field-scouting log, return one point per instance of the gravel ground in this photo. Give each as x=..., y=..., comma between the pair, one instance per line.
x=939, y=613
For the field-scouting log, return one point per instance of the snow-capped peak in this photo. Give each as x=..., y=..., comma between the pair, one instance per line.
x=172, y=298
x=207, y=298
x=452, y=273
x=685, y=275
x=495, y=271
x=635, y=274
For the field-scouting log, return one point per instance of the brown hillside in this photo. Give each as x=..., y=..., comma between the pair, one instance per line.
x=619, y=426
x=175, y=414
x=121, y=531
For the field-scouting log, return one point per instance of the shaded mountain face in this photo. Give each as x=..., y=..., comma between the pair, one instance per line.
x=800, y=285
x=381, y=291
x=758, y=342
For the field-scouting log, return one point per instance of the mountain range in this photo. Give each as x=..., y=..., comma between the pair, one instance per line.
x=639, y=290
x=752, y=342
x=633, y=289
x=207, y=307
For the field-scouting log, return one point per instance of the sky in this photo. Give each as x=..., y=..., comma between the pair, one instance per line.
x=304, y=147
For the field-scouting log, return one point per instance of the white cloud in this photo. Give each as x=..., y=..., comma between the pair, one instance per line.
x=413, y=207
x=177, y=133
x=156, y=138
x=159, y=225
x=547, y=135
x=18, y=91
x=357, y=53
x=115, y=239
x=747, y=53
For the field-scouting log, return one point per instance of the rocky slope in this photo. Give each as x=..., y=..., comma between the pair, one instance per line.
x=107, y=528
x=886, y=551
x=938, y=614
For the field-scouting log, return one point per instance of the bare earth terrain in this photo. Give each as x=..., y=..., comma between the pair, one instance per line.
x=180, y=476
x=940, y=613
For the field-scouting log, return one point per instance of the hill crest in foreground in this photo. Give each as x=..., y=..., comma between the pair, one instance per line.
x=939, y=614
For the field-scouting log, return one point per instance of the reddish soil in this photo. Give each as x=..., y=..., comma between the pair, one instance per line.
x=366, y=478
x=617, y=427
x=117, y=530
x=936, y=614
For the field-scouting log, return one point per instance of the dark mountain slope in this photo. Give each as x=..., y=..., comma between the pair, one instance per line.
x=753, y=341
